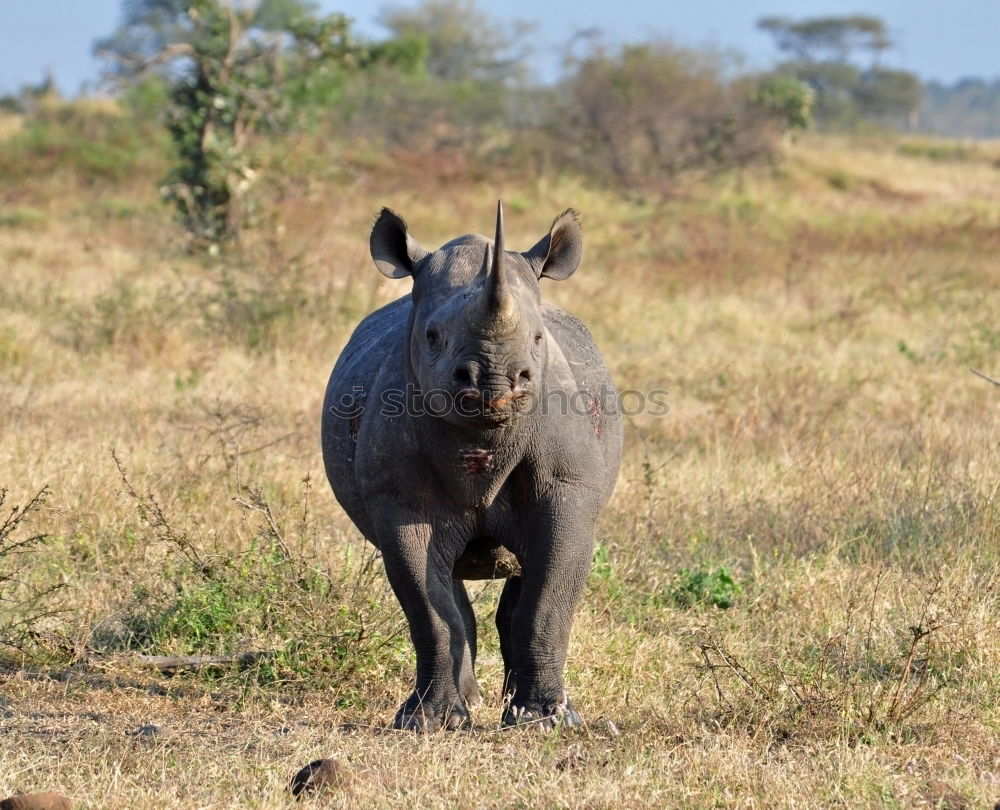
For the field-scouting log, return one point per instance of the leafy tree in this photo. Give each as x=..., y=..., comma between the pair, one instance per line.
x=231, y=67
x=463, y=41
x=884, y=93
x=828, y=39
x=643, y=114
x=29, y=96
x=464, y=98
x=839, y=58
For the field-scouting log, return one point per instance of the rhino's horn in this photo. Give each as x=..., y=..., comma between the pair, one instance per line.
x=499, y=283
x=504, y=315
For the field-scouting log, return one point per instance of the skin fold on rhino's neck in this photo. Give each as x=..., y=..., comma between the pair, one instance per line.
x=473, y=463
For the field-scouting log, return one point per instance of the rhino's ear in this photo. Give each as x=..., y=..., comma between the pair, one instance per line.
x=395, y=252
x=558, y=253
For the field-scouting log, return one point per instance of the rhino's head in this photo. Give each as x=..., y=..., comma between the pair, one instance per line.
x=477, y=338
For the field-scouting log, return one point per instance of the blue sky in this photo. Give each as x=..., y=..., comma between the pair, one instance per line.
x=937, y=39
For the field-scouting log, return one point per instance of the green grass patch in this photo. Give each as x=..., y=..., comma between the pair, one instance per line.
x=705, y=587
x=22, y=218
x=942, y=151
x=286, y=618
x=94, y=146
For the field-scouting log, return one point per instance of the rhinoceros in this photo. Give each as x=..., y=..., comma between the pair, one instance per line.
x=471, y=431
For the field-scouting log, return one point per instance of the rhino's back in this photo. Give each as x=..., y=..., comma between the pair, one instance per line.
x=597, y=392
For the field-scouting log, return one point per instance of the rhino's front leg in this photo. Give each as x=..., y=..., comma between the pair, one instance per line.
x=557, y=552
x=419, y=558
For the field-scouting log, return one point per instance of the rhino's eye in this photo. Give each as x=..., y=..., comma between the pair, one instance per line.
x=538, y=338
x=432, y=338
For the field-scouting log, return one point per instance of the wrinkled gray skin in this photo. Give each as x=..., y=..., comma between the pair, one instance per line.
x=478, y=480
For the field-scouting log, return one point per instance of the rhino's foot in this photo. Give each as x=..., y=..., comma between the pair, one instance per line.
x=427, y=715
x=471, y=694
x=542, y=715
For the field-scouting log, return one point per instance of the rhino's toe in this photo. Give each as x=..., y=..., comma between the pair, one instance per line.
x=542, y=715
x=428, y=716
x=471, y=695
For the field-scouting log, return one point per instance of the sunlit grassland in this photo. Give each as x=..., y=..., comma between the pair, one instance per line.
x=827, y=469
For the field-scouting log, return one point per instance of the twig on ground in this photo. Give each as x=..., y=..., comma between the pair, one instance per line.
x=988, y=379
x=172, y=663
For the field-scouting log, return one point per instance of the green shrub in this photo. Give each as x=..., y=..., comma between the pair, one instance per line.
x=281, y=615
x=646, y=113
x=705, y=587
x=786, y=99
x=231, y=69
x=94, y=144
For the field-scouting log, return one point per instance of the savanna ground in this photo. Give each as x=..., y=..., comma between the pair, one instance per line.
x=795, y=594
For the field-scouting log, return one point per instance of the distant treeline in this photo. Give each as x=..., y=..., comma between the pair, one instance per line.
x=449, y=85
x=969, y=108
x=446, y=66
x=211, y=83
x=842, y=60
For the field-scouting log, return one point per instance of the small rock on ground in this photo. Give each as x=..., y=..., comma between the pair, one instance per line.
x=321, y=775
x=149, y=733
x=36, y=801
x=941, y=796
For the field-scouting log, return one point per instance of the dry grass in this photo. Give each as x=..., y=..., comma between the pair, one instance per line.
x=826, y=445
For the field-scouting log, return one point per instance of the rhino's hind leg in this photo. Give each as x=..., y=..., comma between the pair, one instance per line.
x=467, y=685
x=505, y=613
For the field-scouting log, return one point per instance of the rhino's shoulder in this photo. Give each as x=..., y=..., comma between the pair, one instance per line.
x=374, y=335
x=571, y=334
x=393, y=315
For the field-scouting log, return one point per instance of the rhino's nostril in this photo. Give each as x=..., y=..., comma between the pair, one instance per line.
x=463, y=376
x=523, y=378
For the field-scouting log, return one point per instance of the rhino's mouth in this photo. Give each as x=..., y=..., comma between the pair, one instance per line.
x=491, y=407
